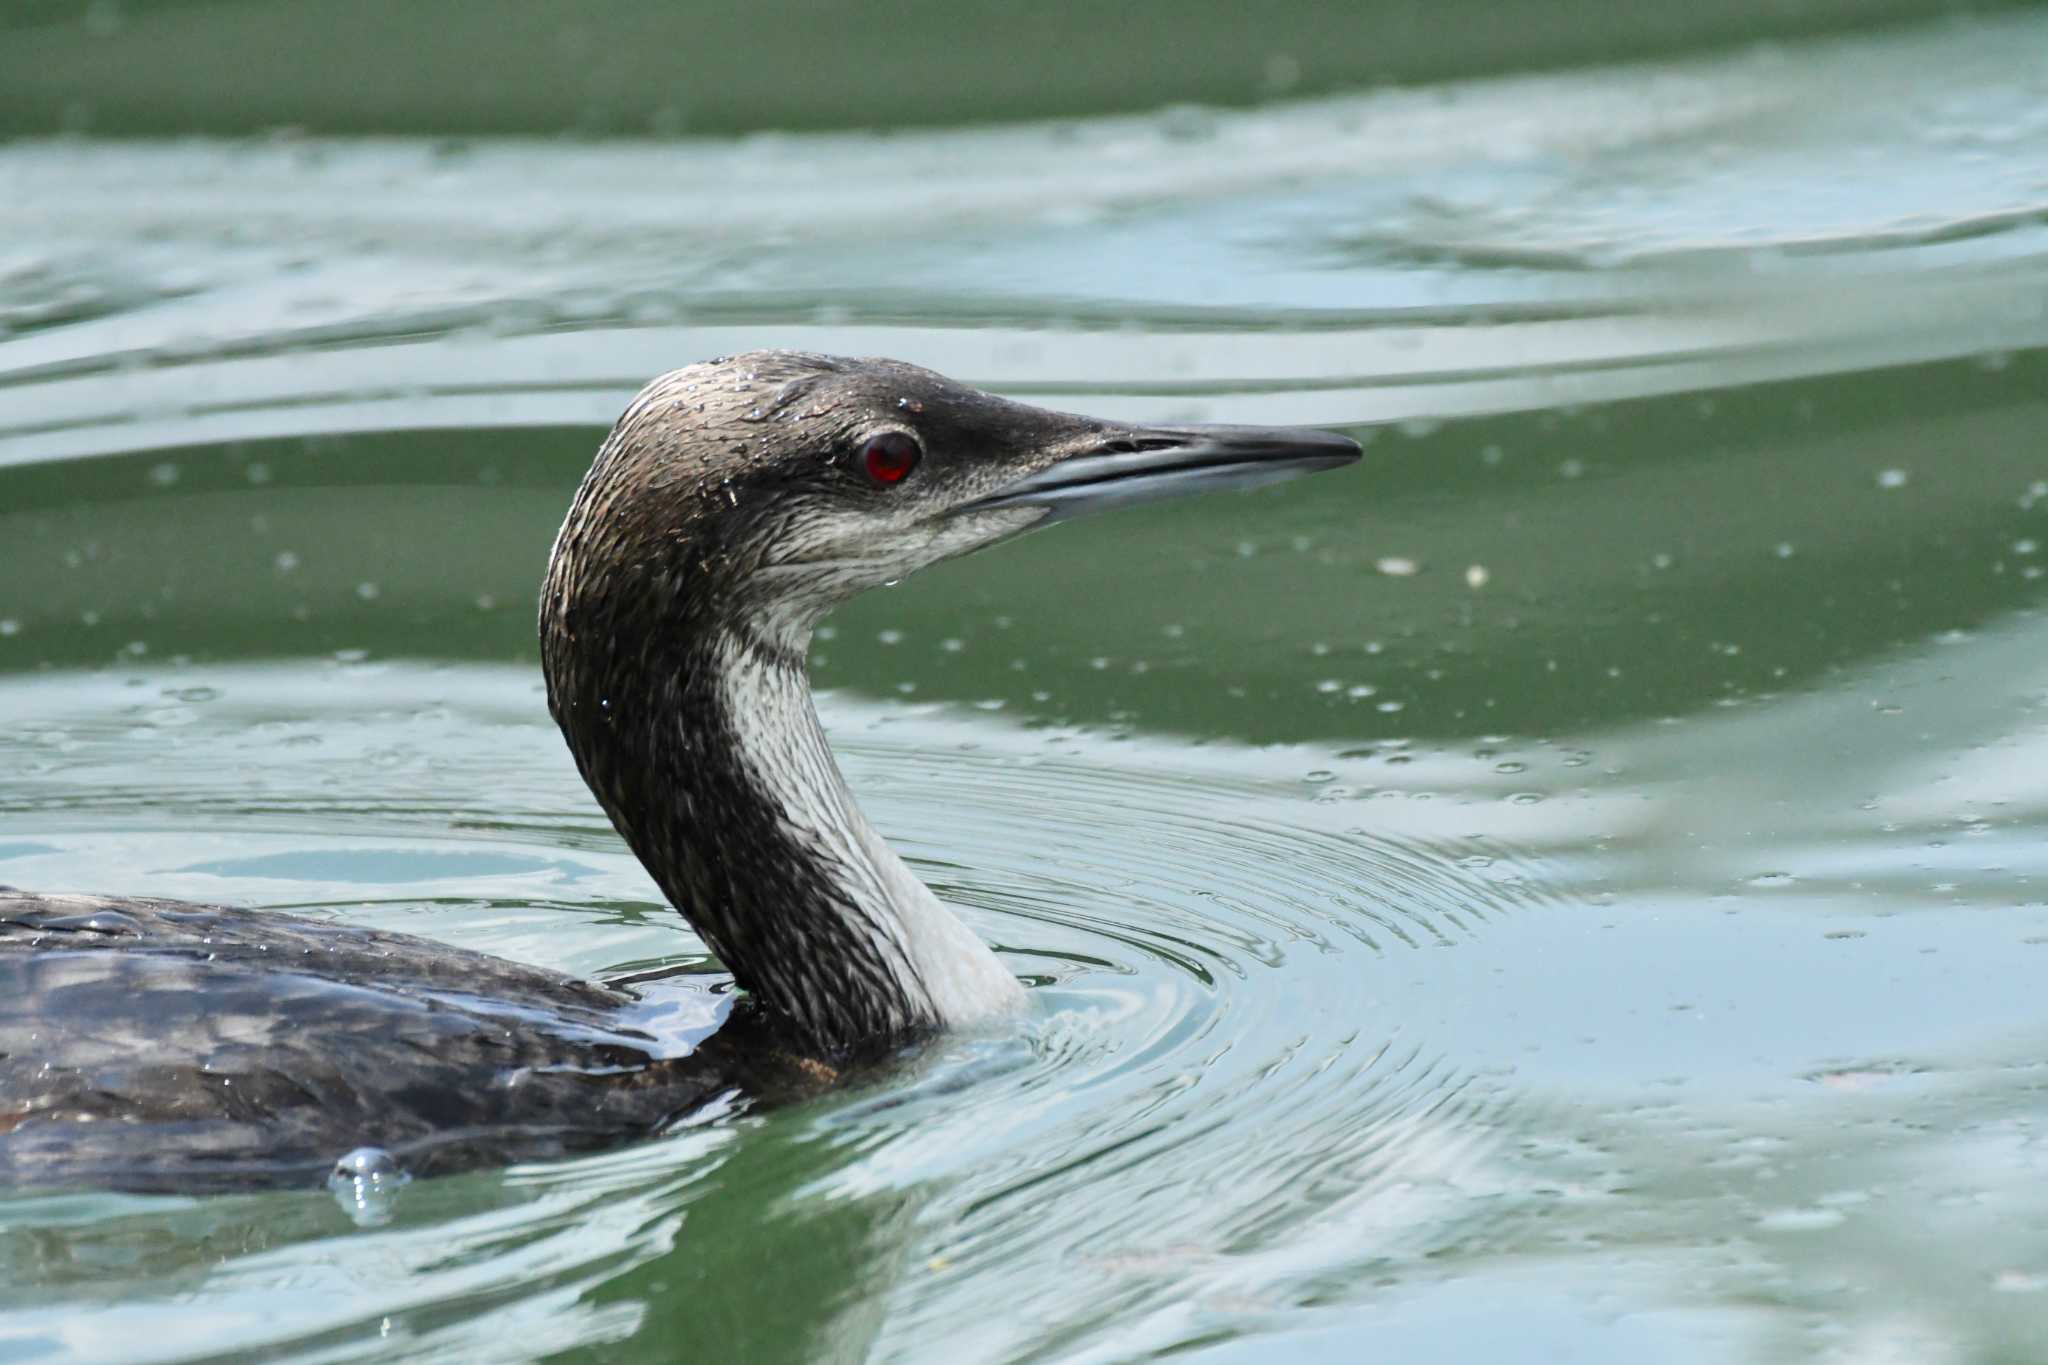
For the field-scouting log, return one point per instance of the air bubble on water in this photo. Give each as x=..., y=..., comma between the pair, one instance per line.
x=286, y=561
x=163, y=475
x=368, y=591
x=889, y=637
x=1476, y=576
x=1395, y=566
x=10, y=626
x=1891, y=478
x=366, y=1183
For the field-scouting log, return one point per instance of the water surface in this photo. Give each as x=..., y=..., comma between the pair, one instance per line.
x=1573, y=884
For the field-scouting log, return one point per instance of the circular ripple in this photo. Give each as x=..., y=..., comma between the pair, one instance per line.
x=1224, y=1091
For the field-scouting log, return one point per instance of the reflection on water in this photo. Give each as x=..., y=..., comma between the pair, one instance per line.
x=1574, y=881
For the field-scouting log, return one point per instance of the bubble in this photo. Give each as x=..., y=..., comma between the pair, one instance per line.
x=366, y=1183
x=1892, y=478
x=1394, y=566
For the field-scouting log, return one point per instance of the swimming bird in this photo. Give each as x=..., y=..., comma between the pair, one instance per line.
x=150, y=1044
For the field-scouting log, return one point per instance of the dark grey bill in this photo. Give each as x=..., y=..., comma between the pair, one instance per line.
x=1166, y=462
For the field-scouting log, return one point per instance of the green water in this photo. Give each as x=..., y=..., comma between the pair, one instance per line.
x=1570, y=887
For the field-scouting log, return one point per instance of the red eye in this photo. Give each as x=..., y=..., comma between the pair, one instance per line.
x=889, y=457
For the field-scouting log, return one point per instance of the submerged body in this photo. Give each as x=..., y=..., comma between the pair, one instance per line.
x=153, y=1045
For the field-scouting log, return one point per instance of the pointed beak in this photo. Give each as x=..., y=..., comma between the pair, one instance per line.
x=1165, y=462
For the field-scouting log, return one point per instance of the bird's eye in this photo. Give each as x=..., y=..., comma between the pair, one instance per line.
x=889, y=457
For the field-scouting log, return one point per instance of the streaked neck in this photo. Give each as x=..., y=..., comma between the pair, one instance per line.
x=710, y=759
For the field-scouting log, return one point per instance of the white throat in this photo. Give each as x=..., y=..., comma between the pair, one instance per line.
x=939, y=962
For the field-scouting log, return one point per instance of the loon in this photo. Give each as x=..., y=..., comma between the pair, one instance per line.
x=160, y=1045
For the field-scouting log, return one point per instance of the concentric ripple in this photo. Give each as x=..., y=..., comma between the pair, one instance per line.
x=1217, y=1029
